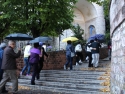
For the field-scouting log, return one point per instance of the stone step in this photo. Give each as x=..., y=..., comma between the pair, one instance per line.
x=60, y=89
x=82, y=75
x=72, y=71
x=63, y=84
x=70, y=76
x=69, y=80
x=73, y=76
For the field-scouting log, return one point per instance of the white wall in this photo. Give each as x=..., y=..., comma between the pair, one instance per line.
x=86, y=14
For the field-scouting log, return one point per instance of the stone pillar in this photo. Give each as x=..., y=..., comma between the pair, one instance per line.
x=117, y=22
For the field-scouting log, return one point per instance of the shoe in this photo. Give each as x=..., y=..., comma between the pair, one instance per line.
x=4, y=91
x=80, y=61
x=28, y=75
x=77, y=64
x=96, y=66
x=64, y=67
x=37, y=77
x=32, y=83
x=21, y=74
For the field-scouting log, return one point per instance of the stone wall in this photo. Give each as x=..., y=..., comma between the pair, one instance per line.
x=117, y=22
x=57, y=59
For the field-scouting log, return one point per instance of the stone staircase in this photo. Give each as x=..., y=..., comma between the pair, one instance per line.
x=78, y=81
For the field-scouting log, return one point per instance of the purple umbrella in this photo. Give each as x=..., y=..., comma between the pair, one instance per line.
x=100, y=37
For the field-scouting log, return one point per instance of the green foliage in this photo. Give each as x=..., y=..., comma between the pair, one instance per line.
x=37, y=16
x=78, y=32
x=100, y=2
x=106, y=4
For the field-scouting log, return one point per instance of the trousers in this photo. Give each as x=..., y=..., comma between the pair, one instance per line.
x=9, y=74
x=95, y=59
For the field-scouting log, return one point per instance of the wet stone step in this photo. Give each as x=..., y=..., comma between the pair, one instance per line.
x=69, y=76
x=72, y=74
x=72, y=71
x=62, y=84
x=59, y=89
x=63, y=79
x=69, y=80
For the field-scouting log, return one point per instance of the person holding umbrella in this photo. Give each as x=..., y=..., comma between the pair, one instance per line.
x=95, y=52
x=69, y=57
x=35, y=55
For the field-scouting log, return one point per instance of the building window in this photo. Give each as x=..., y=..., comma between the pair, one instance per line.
x=92, y=30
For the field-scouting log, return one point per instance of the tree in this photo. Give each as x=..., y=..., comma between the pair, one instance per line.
x=36, y=16
x=106, y=4
x=78, y=32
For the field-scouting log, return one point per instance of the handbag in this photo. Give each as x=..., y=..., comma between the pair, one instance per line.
x=72, y=53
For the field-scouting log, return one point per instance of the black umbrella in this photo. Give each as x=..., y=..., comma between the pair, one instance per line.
x=18, y=36
x=40, y=39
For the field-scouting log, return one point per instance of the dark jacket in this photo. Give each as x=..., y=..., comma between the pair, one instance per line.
x=43, y=54
x=97, y=46
x=9, y=59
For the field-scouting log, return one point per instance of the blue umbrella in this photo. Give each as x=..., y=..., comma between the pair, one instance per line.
x=40, y=39
x=100, y=37
x=18, y=36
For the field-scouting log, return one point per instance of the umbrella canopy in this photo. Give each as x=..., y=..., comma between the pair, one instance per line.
x=70, y=38
x=18, y=36
x=40, y=39
x=100, y=37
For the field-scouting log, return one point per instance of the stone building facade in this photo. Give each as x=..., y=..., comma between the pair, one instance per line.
x=117, y=23
x=90, y=17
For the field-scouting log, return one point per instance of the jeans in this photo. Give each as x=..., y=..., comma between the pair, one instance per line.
x=27, y=65
x=69, y=59
x=9, y=74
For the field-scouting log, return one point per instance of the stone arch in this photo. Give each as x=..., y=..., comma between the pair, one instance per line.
x=85, y=15
x=87, y=9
